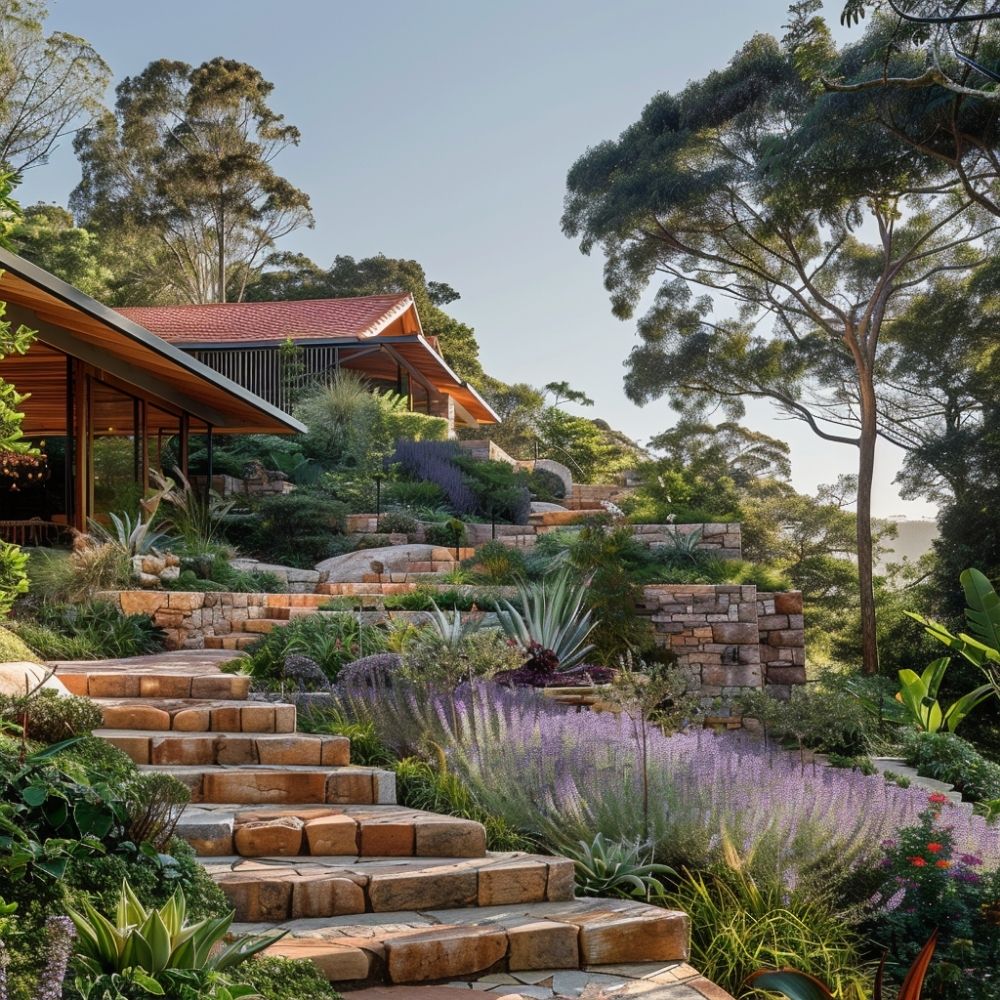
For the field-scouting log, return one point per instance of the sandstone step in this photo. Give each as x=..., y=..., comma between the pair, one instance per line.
x=235, y=640
x=290, y=888
x=344, y=831
x=120, y=684
x=259, y=626
x=426, y=945
x=197, y=716
x=172, y=747
x=283, y=785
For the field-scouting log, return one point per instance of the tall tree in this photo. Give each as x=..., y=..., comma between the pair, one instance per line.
x=705, y=191
x=295, y=276
x=188, y=156
x=49, y=84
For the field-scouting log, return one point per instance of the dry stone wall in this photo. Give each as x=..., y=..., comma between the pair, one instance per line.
x=729, y=639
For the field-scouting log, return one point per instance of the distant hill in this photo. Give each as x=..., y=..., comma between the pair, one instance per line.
x=913, y=539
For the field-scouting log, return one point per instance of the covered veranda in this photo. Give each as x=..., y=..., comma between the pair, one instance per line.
x=108, y=403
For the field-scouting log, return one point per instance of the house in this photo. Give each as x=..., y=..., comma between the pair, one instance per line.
x=108, y=402
x=378, y=336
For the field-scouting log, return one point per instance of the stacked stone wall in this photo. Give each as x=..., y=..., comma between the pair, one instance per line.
x=782, y=640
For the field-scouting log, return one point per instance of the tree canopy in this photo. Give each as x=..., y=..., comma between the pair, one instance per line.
x=184, y=167
x=49, y=84
x=708, y=190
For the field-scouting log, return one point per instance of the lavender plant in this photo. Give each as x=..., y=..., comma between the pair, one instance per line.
x=59, y=934
x=432, y=461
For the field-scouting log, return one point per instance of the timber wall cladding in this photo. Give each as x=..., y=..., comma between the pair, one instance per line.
x=730, y=639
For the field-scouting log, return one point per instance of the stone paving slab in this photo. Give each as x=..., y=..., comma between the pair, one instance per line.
x=185, y=661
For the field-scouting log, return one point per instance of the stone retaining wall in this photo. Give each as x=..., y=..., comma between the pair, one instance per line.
x=730, y=639
x=189, y=617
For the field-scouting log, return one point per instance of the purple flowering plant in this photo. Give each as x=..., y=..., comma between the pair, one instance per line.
x=932, y=883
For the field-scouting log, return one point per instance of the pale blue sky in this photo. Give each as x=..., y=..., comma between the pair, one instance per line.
x=442, y=130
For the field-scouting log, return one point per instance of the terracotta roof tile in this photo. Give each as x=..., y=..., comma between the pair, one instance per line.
x=239, y=322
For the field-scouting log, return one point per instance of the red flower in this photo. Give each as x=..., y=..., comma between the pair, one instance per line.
x=942, y=863
x=918, y=862
x=934, y=848
x=938, y=798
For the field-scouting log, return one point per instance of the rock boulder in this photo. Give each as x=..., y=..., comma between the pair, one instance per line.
x=353, y=566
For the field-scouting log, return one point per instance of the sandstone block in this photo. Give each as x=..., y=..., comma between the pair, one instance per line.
x=185, y=601
x=255, y=787
x=348, y=788
x=108, y=685
x=435, y=889
x=319, y=896
x=164, y=686
x=192, y=720
x=263, y=900
x=332, y=835
x=235, y=749
x=543, y=944
x=140, y=602
x=561, y=885
x=284, y=719
x=136, y=747
x=456, y=838
x=389, y=840
x=335, y=751
x=786, y=675
x=225, y=719
x=271, y=838
x=257, y=719
x=208, y=834
x=339, y=963
x=136, y=717
x=518, y=882
x=296, y=750
x=734, y=632
x=787, y=637
x=220, y=686
x=788, y=604
x=443, y=953
x=184, y=750
x=615, y=937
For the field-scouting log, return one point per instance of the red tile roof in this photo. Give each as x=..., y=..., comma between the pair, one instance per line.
x=244, y=322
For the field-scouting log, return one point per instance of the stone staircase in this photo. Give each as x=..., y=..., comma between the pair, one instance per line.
x=372, y=892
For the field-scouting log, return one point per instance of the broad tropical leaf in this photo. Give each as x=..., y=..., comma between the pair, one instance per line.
x=790, y=983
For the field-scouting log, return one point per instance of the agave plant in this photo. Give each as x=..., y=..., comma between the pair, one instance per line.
x=149, y=948
x=552, y=617
x=450, y=627
x=801, y=986
x=130, y=533
x=615, y=868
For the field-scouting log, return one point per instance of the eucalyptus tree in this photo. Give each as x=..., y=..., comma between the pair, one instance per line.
x=50, y=84
x=708, y=191
x=187, y=159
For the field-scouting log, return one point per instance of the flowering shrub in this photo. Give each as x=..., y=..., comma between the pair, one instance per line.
x=565, y=776
x=931, y=882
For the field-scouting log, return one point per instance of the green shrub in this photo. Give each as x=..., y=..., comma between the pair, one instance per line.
x=398, y=523
x=92, y=630
x=450, y=534
x=417, y=496
x=286, y=979
x=48, y=717
x=367, y=748
x=415, y=426
x=13, y=575
x=947, y=757
x=497, y=563
x=546, y=486
x=502, y=492
x=292, y=529
x=331, y=640
x=13, y=649
x=739, y=926
x=820, y=718
x=214, y=572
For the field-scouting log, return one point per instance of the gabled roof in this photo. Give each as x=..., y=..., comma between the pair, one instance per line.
x=270, y=322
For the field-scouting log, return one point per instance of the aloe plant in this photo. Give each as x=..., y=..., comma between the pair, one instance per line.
x=551, y=616
x=615, y=868
x=150, y=948
x=919, y=698
x=798, y=985
x=450, y=627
